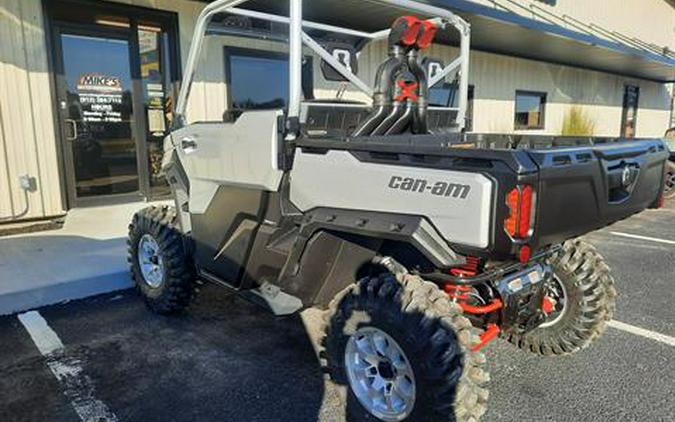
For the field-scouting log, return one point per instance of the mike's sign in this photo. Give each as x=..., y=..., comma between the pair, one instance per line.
x=98, y=82
x=101, y=98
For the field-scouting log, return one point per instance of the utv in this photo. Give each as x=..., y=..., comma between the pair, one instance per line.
x=421, y=242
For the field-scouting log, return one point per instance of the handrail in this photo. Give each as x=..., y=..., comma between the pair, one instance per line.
x=560, y=19
x=595, y=29
x=530, y=11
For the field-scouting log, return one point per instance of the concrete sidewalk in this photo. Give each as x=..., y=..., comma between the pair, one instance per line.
x=84, y=258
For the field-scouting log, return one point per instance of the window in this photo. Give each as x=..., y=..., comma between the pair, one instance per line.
x=631, y=96
x=530, y=108
x=445, y=95
x=259, y=79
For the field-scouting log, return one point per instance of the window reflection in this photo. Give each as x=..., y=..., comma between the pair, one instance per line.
x=258, y=80
x=530, y=110
x=99, y=114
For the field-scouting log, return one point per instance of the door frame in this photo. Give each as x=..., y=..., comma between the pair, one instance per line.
x=53, y=29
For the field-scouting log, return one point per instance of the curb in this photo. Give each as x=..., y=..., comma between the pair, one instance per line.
x=63, y=292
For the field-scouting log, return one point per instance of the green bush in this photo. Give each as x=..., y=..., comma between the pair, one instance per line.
x=577, y=123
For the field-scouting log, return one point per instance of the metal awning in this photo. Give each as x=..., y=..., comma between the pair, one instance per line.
x=502, y=32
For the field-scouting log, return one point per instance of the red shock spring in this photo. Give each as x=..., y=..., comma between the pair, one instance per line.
x=460, y=293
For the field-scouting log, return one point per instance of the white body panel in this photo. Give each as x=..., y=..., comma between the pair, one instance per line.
x=243, y=154
x=338, y=180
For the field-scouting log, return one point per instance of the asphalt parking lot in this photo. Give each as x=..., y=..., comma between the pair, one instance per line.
x=227, y=360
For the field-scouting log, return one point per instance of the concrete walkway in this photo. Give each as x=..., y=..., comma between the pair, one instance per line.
x=84, y=258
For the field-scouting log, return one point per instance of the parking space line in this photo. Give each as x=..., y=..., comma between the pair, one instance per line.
x=670, y=341
x=651, y=239
x=607, y=239
x=77, y=386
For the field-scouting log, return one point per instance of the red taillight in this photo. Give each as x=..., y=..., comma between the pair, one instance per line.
x=520, y=201
x=525, y=214
x=525, y=254
x=511, y=223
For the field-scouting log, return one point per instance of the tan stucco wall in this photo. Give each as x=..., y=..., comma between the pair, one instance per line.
x=27, y=140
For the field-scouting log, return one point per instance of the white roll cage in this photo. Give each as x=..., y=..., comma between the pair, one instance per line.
x=297, y=37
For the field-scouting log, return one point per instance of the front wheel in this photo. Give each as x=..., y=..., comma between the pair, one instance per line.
x=160, y=267
x=404, y=352
x=581, y=298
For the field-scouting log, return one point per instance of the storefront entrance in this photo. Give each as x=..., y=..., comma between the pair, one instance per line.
x=98, y=115
x=115, y=73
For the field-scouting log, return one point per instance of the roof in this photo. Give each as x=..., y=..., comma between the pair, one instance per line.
x=502, y=32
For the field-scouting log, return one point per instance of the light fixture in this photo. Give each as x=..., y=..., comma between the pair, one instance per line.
x=108, y=22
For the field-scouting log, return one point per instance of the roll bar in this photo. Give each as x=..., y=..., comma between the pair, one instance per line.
x=297, y=37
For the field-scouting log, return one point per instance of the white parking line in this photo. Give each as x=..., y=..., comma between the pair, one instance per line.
x=68, y=371
x=670, y=341
x=651, y=239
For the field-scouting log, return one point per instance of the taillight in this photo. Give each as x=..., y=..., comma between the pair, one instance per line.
x=524, y=254
x=511, y=223
x=520, y=201
x=525, y=214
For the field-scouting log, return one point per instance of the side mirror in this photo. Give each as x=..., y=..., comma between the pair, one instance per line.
x=343, y=53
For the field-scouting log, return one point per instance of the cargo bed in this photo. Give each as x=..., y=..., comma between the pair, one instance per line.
x=581, y=183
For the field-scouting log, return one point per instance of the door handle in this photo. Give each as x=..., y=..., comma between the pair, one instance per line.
x=73, y=124
x=188, y=143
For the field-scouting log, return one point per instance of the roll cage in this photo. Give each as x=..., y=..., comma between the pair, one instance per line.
x=297, y=37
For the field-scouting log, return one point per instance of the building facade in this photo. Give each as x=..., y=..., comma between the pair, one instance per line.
x=87, y=86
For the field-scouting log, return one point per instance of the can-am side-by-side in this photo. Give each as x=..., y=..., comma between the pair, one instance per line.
x=421, y=242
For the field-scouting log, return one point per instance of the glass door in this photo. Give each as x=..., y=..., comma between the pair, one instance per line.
x=155, y=75
x=116, y=74
x=97, y=114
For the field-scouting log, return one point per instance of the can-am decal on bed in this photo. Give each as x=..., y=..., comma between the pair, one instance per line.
x=456, y=190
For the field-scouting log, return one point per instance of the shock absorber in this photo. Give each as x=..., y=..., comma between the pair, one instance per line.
x=462, y=295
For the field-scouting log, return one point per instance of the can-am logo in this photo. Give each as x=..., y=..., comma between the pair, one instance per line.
x=98, y=82
x=455, y=190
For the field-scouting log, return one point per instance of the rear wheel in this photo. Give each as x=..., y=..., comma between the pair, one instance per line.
x=404, y=352
x=669, y=188
x=581, y=297
x=160, y=268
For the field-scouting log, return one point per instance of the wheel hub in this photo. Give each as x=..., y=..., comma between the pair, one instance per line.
x=386, y=370
x=555, y=302
x=150, y=261
x=380, y=374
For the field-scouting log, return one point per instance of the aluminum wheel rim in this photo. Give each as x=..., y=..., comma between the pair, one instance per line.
x=556, y=291
x=380, y=374
x=150, y=261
